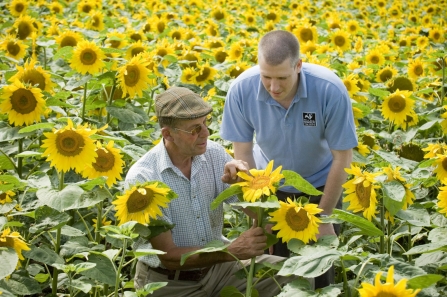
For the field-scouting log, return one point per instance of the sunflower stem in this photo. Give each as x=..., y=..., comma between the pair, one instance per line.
x=410, y=244
x=359, y=274
x=345, y=280
x=249, y=289
x=98, y=222
x=382, y=224
x=89, y=235
x=388, y=238
x=44, y=58
x=443, y=81
x=55, y=271
x=112, y=92
x=20, y=160
x=117, y=279
x=84, y=101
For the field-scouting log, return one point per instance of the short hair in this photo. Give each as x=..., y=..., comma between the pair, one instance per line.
x=277, y=46
x=167, y=122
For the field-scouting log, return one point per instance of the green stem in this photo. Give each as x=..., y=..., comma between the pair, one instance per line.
x=20, y=160
x=84, y=102
x=111, y=99
x=89, y=235
x=98, y=222
x=388, y=238
x=382, y=224
x=57, y=244
x=44, y=58
x=251, y=272
x=359, y=274
x=106, y=289
x=410, y=244
x=441, y=100
x=118, y=273
x=345, y=280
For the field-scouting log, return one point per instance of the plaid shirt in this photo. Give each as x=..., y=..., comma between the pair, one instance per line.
x=195, y=223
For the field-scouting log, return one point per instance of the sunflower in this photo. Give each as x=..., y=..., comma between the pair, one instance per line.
x=218, y=13
x=385, y=74
x=104, y=222
x=442, y=197
x=250, y=17
x=220, y=55
x=24, y=26
x=350, y=83
x=13, y=240
x=23, y=104
x=441, y=167
x=68, y=38
x=85, y=6
x=433, y=149
x=416, y=68
x=397, y=106
x=108, y=163
x=133, y=77
x=13, y=47
x=87, y=57
x=95, y=20
x=163, y=48
x=375, y=56
x=369, y=140
x=401, y=83
x=17, y=7
x=188, y=74
x=308, y=47
x=5, y=197
x=236, y=51
x=70, y=147
x=388, y=288
x=436, y=35
x=141, y=203
x=136, y=48
x=352, y=26
x=362, y=149
x=237, y=69
x=56, y=8
x=136, y=35
x=393, y=174
x=361, y=190
x=35, y=76
x=293, y=220
x=341, y=40
x=205, y=74
x=306, y=32
x=260, y=182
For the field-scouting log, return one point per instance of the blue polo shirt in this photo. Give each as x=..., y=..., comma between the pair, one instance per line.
x=299, y=138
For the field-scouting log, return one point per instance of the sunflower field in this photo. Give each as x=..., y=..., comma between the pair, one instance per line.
x=77, y=85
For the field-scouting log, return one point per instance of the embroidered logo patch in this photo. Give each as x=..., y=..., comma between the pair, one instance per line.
x=309, y=119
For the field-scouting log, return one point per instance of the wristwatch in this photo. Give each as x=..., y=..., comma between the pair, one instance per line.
x=322, y=215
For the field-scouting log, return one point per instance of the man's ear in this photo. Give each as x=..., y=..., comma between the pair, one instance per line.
x=166, y=133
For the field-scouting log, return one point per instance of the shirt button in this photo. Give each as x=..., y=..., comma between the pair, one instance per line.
x=198, y=217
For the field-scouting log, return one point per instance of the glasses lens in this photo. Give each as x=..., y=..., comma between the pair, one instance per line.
x=196, y=130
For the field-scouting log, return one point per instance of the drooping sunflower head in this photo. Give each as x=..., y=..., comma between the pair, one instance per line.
x=388, y=288
x=116, y=39
x=205, y=74
x=411, y=151
x=70, y=147
x=142, y=203
x=23, y=104
x=401, y=83
x=294, y=220
x=361, y=191
x=13, y=240
x=87, y=58
x=260, y=182
x=109, y=163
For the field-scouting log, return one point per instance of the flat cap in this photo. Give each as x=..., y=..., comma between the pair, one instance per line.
x=181, y=103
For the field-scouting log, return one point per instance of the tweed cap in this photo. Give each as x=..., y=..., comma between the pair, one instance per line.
x=181, y=103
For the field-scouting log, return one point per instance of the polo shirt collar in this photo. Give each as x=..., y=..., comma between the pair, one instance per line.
x=166, y=163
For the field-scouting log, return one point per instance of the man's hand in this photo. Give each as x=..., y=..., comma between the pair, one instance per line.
x=326, y=229
x=231, y=169
x=249, y=244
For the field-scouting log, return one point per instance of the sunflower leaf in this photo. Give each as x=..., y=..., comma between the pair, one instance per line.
x=365, y=226
x=9, y=260
x=310, y=266
x=227, y=193
x=211, y=247
x=298, y=182
x=394, y=195
x=424, y=281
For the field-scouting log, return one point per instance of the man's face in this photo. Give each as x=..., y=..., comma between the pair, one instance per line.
x=191, y=144
x=281, y=81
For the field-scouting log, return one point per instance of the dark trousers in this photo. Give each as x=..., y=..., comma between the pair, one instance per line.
x=280, y=248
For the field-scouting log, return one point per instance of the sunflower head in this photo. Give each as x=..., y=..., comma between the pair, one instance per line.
x=13, y=240
x=142, y=202
x=411, y=151
x=294, y=220
x=87, y=58
x=260, y=182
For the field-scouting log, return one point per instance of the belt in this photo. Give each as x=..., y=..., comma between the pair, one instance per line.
x=184, y=275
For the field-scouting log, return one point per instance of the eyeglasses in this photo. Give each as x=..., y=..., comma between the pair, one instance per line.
x=196, y=130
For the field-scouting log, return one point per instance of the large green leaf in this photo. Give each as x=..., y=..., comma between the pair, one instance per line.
x=393, y=196
x=298, y=182
x=32, y=128
x=211, y=247
x=83, y=284
x=5, y=162
x=11, y=133
x=129, y=114
x=415, y=216
x=322, y=245
x=395, y=160
x=310, y=266
x=424, y=281
x=71, y=197
x=365, y=226
x=47, y=219
x=298, y=288
x=44, y=255
x=134, y=151
x=224, y=195
x=9, y=260
x=104, y=271
x=7, y=207
x=427, y=248
x=231, y=291
x=23, y=285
